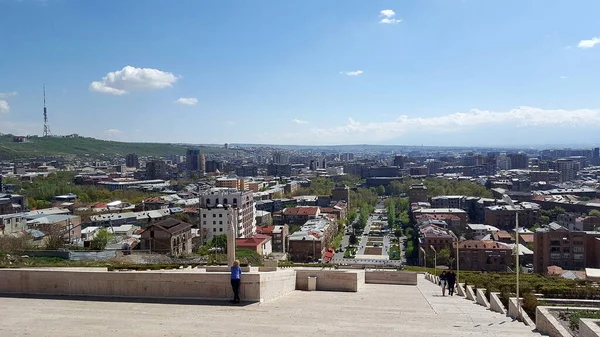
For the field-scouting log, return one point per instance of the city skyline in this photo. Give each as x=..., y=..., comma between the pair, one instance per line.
x=433, y=73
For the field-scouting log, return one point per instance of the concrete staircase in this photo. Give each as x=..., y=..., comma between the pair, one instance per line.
x=472, y=317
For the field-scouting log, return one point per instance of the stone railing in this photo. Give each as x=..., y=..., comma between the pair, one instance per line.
x=546, y=323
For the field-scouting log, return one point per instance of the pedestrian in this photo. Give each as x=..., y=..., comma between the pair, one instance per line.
x=443, y=279
x=236, y=274
x=451, y=279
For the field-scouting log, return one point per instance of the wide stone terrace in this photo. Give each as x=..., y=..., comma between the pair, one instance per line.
x=376, y=310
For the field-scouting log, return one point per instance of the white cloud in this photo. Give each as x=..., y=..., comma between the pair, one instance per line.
x=133, y=79
x=8, y=94
x=113, y=132
x=352, y=73
x=388, y=13
x=456, y=123
x=584, y=44
x=229, y=122
x=563, y=77
x=387, y=17
x=4, y=107
x=187, y=101
x=297, y=121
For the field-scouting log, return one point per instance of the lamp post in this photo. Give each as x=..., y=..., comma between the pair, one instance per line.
x=434, y=259
x=509, y=201
x=457, y=261
x=424, y=257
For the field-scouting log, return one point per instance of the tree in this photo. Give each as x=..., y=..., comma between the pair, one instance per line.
x=391, y=214
x=380, y=190
x=182, y=217
x=398, y=232
x=219, y=241
x=443, y=256
x=101, y=239
x=594, y=212
x=55, y=238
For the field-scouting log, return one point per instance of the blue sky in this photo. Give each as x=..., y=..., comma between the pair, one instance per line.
x=431, y=72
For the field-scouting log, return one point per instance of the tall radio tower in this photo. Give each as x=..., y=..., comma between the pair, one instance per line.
x=47, y=132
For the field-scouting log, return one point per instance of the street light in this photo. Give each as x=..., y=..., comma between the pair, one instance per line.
x=457, y=260
x=424, y=257
x=434, y=259
x=509, y=201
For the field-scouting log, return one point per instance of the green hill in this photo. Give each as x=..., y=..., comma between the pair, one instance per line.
x=83, y=146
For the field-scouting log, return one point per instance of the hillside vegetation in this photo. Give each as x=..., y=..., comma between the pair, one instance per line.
x=83, y=146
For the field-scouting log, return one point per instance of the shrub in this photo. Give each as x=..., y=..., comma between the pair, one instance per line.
x=530, y=302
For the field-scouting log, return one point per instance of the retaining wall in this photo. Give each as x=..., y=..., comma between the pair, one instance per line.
x=496, y=305
x=147, y=284
x=589, y=327
x=331, y=280
x=481, y=299
x=391, y=277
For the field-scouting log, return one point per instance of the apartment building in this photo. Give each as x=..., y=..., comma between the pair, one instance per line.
x=434, y=236
x=555, y=245
x=504, y=216
x=234, y=203
x=483, y=255
x=310, y=243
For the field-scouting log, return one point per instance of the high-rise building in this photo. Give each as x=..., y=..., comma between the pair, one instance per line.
x=519, y=161
x=193, y=160
x=399, y=160
x=503, y=162
x=202, y=163
x=566, y=168
x=596, y=156
x=347, y=156
x=213, y=166
x=131, y=160
x=156, y=169
x=280, y=158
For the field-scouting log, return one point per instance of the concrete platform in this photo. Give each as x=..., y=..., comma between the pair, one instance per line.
x=376, y=310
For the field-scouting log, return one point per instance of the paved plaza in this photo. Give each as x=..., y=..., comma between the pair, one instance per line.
x=376, y=310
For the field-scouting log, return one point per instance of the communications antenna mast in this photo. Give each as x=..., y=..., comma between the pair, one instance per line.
x=47, y=132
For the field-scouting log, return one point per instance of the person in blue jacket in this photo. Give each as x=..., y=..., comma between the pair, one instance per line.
x=236, y=274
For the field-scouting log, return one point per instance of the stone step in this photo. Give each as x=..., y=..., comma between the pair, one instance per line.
x=473, y=315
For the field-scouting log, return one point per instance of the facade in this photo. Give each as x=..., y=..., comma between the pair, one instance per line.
x=417, y=193
x=279, y=170
x=69, y=225
x=571, y=250
x=170, y=236
x=434, y=236
x=504, y=216
x=566, y=169
x=214, y=221
x=131, y=160
x=240, y=200
x=246, y=171
x=445, y=214
x=156, y=169
x=483, y=255
x=12, y=223
x=340, y=193
x=262, y=244
x=12, y=203
x=296, y=216
x=239, y=184
x=278, y=235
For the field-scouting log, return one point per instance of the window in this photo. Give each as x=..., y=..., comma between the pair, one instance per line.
x=204, y=215
x=220, y=222
x=220, y=229
x=214, y=222
x=214, y=215
x=204, y=223
x=208, y=201
x=214, y=229
x=220, y=215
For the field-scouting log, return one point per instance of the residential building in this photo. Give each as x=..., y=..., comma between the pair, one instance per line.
x=481, y=230
x=483, y=255
x=241, y=201
x=262, y=244
x=192, y=159
x=156, y=169
x=555, y=245
x=340, y=193
x=399, y=161
x=296, y=216
x=170, y=236
x=246, y=171
x=434, y=236
x=12, y=223
x=461, y=214
x=310, y=243
x=518, y=160
x=68, y=225
x=278, y=234
x=503, y=162
x=131, y=160
x=280, y=158
x=566, y=169
x=504, y=216
x=417, y=193
x=231, y=182
x=12, y=203
x=279, y=170
x=586, y=223
x=213, y=166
